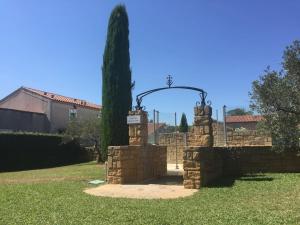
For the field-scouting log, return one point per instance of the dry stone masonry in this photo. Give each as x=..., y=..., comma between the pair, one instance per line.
x=138, y=133
x=136, y=163
x=201, y=166
x=202, y=163
x=202, y=133
x=139, y=161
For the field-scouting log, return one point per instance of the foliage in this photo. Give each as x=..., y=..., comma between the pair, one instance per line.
x=86, y=132
x=116, y=82
x=276, y=95
x=23, y=150
x=238, y=112
x=55, y=196
x=28, y=134
x=183, y=127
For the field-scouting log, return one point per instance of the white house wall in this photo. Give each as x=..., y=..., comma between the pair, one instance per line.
x=60, y=114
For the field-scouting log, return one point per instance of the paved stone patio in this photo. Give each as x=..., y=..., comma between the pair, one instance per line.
x=167, y=187
x=141, y=191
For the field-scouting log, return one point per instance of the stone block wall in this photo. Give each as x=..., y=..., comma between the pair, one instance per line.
x=171, y=140
x=138, y=133
x=235, y=139
x=136, y=163
x=204, y=165
x=201, y=166
x=201, y=135
x=253, y=159
x=240, y=138
x=202, y=132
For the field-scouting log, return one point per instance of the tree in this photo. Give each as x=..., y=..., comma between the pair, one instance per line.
x=183, y=127
x=276, y=95
x=86, y=132
x=239, y=112
x=116, y=82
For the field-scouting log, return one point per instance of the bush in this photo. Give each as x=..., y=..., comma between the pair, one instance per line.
x=20, y=151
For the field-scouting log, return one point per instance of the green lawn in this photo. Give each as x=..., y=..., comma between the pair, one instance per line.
x=55, y=196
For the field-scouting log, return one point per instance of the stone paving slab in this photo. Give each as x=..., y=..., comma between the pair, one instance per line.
x=137, y=191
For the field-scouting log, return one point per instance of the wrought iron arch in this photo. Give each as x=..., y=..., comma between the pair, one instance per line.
x=202, y=93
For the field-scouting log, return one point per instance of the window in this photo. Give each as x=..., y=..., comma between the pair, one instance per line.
x=72, y=114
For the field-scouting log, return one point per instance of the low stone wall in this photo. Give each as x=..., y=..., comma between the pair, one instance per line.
x=171, y=140
x=241, y=138
x=136, y=163
x=204, y=165
x=234, y=139
x=201, y=166
x=241, y=160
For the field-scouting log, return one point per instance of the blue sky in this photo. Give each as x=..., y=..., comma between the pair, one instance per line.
x=220, y=46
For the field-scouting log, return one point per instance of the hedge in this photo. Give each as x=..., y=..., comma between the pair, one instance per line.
x=20, y=151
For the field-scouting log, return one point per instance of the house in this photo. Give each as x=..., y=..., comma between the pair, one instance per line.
x=245, y=121
x=28, y=109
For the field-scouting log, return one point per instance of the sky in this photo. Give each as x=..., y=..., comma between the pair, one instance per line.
x=219, y=46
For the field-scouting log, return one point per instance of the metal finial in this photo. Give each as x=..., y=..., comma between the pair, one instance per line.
x=169, y=80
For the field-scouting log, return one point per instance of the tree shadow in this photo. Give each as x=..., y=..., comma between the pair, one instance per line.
x=255, y=179
x=222, y=182
x=229, y=181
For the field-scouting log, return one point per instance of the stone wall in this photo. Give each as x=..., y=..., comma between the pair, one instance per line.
x=171, y=140
x=201, y=166
x=204, y=165
x=201, y=135
x=240, y=138
x=235, y=139
x=136, y=163
x=138, y=133
x=202, y=131
x=241, y=160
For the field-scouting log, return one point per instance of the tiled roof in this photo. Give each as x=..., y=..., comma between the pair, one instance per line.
x=63, y=99
x=243, y=119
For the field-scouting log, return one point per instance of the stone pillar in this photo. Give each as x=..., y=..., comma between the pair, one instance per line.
x=201, y=166
x=202, y=129
x=138, y=132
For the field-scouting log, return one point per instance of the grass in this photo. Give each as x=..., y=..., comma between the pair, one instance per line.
x=54, y=196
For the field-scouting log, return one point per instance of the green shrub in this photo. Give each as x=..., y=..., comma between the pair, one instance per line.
x=20, y=151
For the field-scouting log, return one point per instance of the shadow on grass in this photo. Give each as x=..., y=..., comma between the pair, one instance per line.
x=229, y=181
x=255, y=178
x=222, y=182
x=167, y=180
x=219, y=183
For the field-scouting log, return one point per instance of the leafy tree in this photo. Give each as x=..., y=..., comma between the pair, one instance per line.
x=116, y=82
x=276, y=95
x=86, y=132
x=183, y=127
x=238, y=112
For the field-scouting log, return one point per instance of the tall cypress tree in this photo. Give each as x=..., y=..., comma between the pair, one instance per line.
x=183, y=127
x=116, y=82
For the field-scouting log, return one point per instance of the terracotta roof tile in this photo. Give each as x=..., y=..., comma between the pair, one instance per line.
x=243, y=119
x=64, y=99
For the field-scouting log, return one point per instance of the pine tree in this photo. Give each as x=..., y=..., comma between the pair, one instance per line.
x=116, y=82
x=183, y=127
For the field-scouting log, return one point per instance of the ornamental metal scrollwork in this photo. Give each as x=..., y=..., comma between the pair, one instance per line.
x=170, y=82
